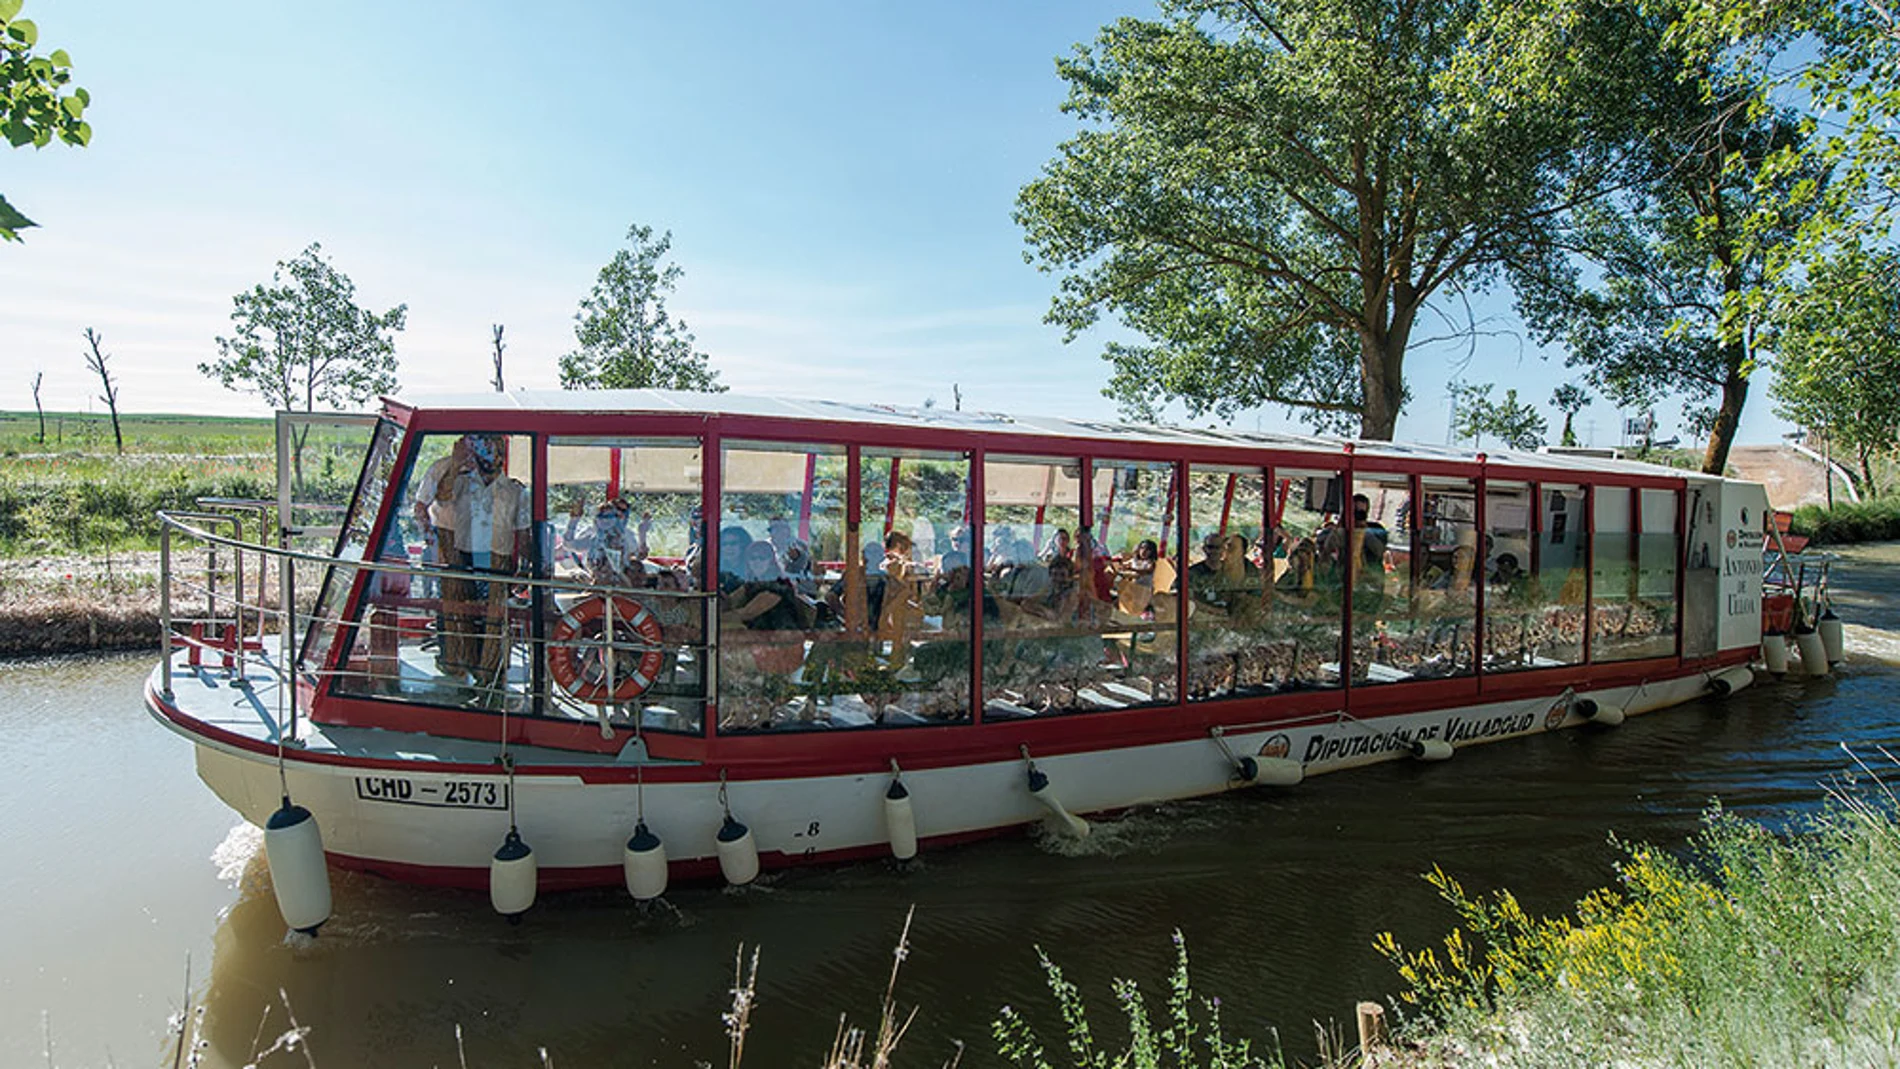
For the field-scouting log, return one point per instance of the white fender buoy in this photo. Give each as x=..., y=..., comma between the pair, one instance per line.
x=1041, y=791
x=900, y=822
x=644, y=862
x=1774, y=654
x=1597, y=712
x=1431, y=749
x=511, y=878
x=293, y=848
x=1813, y=652
x=1269, y=771
x=1260, y=769
x=1730, y=680
x=738, y=854
x=1833, y=640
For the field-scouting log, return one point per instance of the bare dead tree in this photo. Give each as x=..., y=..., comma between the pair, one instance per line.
x=38, y=377
x=96, y=361
x=498, y=350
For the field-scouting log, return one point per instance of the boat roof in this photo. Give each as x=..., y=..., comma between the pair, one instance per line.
x=682, y=402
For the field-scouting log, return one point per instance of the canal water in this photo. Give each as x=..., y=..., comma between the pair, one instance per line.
x=126, y=889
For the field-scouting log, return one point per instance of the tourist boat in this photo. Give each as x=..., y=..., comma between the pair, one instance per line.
x=627, y=635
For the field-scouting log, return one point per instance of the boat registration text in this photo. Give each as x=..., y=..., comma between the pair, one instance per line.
x=450, y=794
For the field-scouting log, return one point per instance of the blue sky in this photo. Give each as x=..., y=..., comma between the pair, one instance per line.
x=838, y=178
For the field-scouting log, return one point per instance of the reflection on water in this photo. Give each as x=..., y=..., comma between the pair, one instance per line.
x=1278, y=893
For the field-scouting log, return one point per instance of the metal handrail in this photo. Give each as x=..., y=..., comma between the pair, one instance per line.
x=168, y=520
x=194, y=525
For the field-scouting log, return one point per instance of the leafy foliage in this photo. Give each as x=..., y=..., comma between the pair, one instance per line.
x=1186, y=1039
x=1570, y=399
x=1837, y=356
x=627, y=338
x=1849, y=521
x=38, y=102
x=1271, y=192
x=1843, y=57
x=304, y=340
x=1516, y=424
x=1756, y=948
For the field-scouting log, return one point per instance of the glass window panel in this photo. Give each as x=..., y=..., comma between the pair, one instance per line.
x=1511, y=617
x=1558, y=579
x=1230, y=648
x=901, y=595
x=624, y=521
x=781, y=539
x=1035, y=657
x=1616, y=632
x=364, y=507
x=1441, y=636
x=1654, y=615
x=462, y=637
x=1305, y=610
x=1378, y=557
x=1126, y=599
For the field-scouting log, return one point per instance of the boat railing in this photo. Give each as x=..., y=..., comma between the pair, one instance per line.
x=1795, y=587
x=223, y=613
x=414, y=613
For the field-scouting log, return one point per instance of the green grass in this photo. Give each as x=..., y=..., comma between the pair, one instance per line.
x=75, y=494
x=90, y=432
x=144, y=432
x=1753, y=949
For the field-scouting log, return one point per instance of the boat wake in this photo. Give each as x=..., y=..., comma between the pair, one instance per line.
x=1870, y=643
x=232, y=856
x=1134, y=831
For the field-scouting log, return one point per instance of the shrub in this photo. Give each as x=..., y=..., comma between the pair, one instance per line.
x=1753, y=948
x=1849, y=521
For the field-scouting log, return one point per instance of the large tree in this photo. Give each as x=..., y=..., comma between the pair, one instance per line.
x=1665, y=288
x=1272, y=192
x=1837, y=357
x=1570, y=399
x=1516, y=423
x=38, y=102
x=627, y=338
x=303, y=339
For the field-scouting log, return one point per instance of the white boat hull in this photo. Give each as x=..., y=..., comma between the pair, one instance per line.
x=432, y=827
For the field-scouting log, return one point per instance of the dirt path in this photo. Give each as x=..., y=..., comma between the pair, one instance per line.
x=1792, y=478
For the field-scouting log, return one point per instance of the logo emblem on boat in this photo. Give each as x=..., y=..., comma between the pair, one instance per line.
x=1555, y=717
x=1276, y=746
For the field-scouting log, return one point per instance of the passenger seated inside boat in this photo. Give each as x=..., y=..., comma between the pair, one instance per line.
x=765, y=600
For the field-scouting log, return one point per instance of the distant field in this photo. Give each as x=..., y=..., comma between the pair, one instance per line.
x=74, y=494
x=91, y=432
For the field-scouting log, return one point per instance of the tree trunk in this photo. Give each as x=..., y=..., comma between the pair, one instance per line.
x=1867, y=487
x=1382, y=375
x=1728, y=418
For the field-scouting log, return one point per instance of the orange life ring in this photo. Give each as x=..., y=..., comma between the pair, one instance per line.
x=577, y=647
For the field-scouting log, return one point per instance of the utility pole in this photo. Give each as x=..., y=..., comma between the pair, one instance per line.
x=1827, y=465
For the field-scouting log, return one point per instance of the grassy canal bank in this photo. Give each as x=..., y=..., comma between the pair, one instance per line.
x=78, y=537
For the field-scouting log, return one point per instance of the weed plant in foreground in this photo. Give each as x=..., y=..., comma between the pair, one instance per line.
x=1751, y=949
